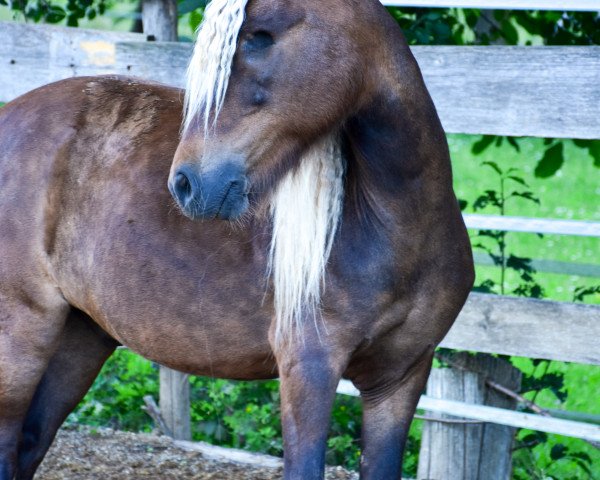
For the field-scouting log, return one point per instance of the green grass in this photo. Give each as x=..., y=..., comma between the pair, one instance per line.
x=572, y=194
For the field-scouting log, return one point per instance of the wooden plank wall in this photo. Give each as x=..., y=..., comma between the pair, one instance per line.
x=499, y=90
x=528, y=328
x=570, y=5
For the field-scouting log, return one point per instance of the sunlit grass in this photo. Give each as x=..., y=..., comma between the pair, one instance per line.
x=572, y=194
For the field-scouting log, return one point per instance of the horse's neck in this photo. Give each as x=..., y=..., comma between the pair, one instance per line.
x=397, y=160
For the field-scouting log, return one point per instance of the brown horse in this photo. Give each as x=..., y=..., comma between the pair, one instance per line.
x=331, y=243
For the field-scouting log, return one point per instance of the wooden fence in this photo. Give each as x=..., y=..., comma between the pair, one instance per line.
x=519, y=91
x=497, y=90
x=565, y=5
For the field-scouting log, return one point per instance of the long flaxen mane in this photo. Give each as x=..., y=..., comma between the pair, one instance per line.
x=306, y=204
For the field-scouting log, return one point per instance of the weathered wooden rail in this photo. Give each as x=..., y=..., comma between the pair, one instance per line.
x=566, y=5
x=498, y=90
x=520, y=91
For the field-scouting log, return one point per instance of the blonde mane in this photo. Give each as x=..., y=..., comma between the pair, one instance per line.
x=306, y=208
x=210, y=66
x=306, y=205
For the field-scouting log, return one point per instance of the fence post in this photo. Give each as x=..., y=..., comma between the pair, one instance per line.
x=175, y=402
x=159, y=19
x=469, y=451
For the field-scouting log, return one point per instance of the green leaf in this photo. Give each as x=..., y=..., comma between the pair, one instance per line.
x=490, y=197
x=487, y=286
x=526, y=195
x=551, y=162
x=583, y=465
x=509, y=32
x=55, y=14
x=582, y=291
x=195, y=20
x=72, y=20
x=582, y=455
x=558, y=451
x=520, y=264
x=480, y=145
x=594, y=149
x=513, y=143
x=493, y=165
x=518, y=180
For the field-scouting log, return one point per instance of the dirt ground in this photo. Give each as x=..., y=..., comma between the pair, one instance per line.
x=105, y=454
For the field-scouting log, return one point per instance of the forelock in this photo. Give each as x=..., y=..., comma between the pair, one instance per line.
x=210, y=67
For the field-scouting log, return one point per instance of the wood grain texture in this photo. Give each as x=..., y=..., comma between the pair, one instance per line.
x=175, y=402
x=514, y=419
x=528, y=328
x=525, y=327
x=550, y=266
x=529, y=91
x=532, y=225
x=496, y=415
x=34, y=55
x=451, y=451
x=570, y=5
x=499, y=90
x=469, y=451
x=159, y=20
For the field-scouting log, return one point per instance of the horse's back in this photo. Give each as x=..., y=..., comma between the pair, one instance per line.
x=50, y=138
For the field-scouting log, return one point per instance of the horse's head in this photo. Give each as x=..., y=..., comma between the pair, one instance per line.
x=262, y=91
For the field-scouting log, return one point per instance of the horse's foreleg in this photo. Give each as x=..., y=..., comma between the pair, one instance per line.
x=386, y=421
x=29, y=330
x=82, y=351
x=309, y=377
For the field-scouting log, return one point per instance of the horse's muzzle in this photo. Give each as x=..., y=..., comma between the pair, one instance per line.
x=221, y=193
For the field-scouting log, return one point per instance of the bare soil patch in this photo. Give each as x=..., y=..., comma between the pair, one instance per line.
x=106, y=454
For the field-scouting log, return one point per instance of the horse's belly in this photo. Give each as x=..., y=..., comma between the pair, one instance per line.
x=192, y=307
x=209, y=344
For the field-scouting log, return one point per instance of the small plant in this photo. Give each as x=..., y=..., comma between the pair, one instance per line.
x=494, y=242
x=581, y=293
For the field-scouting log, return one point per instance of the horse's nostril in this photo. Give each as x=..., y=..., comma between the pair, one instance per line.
x=182, y=184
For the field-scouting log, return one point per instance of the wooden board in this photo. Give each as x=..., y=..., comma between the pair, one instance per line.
x=528, y=328
x=532, y=225
x=570, y=5
x=549, y=266
x=520, y=91
x=528, y=91
x=498, y=416
x=33, y=55
x=175, y=402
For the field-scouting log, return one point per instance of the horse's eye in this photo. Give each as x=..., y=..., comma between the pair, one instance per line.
x=259, y=40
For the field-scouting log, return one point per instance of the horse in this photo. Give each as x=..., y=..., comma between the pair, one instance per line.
x=291, y=215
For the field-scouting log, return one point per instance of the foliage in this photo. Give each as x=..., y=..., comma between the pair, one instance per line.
x=511, y=186
x=116, y=397
x=529, y=460
x=580, y=293
x=56, y=12
x=545, y=456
